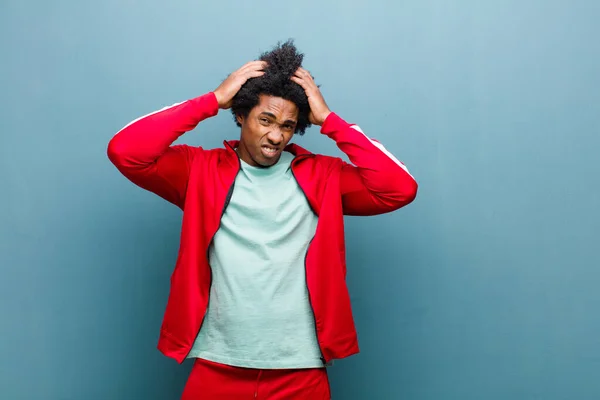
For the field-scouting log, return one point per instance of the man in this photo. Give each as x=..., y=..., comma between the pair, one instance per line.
x=258, y=295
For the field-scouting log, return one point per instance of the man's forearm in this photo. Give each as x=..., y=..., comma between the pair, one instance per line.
x=384, y=182
x=143, y=140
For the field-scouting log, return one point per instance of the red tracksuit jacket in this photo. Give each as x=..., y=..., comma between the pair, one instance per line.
x=200, y=182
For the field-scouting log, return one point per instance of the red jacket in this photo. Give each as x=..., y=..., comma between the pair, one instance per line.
x=200, y=182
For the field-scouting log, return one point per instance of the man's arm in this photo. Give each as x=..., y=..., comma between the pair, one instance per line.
x=143, y=149
x=377, y=182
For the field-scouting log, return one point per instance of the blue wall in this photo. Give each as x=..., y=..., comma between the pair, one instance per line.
x=485, y=288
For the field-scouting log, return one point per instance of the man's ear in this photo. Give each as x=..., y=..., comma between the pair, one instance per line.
x=239, y=118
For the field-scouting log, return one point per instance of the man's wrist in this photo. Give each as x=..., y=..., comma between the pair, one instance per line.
x=218, y=97
x=333, y=123
x=323, y=118
x=206, y=104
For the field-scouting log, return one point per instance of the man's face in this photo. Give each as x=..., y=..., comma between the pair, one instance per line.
x=266, y=130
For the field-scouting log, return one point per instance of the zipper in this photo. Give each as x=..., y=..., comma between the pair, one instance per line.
x=305, y=273
x=227, y=200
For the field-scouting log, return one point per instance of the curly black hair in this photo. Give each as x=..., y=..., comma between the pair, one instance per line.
x=283, y=61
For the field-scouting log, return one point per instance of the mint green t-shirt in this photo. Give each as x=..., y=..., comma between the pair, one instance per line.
x=259, y=314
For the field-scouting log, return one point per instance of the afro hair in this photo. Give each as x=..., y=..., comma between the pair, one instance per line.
x=282, y=62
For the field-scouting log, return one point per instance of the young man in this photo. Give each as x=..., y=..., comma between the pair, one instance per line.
x=258, y=295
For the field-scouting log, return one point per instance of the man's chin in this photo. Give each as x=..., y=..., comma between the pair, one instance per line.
x=266, y=162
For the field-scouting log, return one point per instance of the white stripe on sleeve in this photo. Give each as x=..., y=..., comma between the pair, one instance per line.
x=149, y=114
x=383, y=149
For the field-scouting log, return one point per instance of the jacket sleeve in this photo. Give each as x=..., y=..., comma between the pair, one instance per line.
x=143, y=150
x=376, y=182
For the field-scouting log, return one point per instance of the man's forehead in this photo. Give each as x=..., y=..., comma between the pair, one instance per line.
x=277, y=105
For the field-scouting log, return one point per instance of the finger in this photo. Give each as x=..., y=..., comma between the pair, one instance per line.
x=254, y=65
x=253, y=74
x=250, y=70
x=249, y=75
x=300, y=82
x=248, y=67
x=255, y=62
x=304, y=73
x=299, y=75
x=306, y=83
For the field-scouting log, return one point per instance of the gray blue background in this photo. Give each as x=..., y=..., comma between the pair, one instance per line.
x=486, y=287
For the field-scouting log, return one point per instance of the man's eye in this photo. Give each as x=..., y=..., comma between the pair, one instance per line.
x=287, y=127
x=264, y=120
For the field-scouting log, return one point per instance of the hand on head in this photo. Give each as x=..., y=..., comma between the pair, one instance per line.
x=254, y=69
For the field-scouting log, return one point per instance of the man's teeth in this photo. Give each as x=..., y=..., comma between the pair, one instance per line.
x=270, y=150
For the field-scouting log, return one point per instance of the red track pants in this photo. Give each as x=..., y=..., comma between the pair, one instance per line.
x=212, y=381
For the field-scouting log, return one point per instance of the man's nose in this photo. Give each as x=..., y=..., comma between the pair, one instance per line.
x=275, y=136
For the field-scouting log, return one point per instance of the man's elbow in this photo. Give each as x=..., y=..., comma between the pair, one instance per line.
x=115, y=151
x=112, y=149
x=411, y=192
x=405, y=192
x=121, y=153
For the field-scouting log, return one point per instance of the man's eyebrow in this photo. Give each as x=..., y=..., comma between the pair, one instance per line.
x=270, y=115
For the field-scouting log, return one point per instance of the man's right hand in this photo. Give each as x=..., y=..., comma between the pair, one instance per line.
x=230, y=86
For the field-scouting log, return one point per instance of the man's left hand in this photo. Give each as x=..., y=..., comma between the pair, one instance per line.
x=318, y=108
